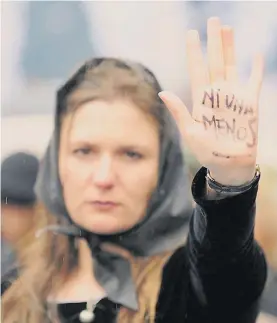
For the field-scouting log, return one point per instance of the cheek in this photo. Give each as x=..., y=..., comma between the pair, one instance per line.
x=72, y=175
x=151, y=174
x=144, y=183
x=151, y=182
x=72, y=187
x=144, y=186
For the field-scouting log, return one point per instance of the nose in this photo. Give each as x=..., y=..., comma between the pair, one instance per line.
x=103, y=175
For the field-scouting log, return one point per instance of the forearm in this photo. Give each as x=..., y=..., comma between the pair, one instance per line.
x=227, y=267
x=222, y=218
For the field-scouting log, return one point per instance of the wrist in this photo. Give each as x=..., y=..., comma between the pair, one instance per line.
x=235, y=187
x=229, y=178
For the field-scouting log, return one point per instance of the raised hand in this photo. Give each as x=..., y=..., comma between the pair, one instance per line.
x=222, y=131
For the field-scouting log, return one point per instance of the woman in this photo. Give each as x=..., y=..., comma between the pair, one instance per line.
x=114, y=182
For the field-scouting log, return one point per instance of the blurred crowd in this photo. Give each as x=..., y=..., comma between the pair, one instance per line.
x=42, y=43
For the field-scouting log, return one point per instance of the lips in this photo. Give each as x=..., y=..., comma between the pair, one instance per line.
x=104, y=205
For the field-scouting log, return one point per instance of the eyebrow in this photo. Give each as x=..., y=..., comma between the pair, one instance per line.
x=137, y=146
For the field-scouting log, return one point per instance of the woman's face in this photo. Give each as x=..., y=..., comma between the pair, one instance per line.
x=108, y=165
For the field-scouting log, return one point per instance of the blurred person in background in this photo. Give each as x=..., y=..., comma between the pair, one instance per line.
x=58, y=35
x=53, y=32
x=18, y=219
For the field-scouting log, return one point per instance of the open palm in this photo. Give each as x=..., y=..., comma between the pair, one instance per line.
x=222, y=131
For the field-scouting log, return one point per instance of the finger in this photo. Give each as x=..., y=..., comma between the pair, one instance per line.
x=197, y=68
x=228, y=45
x=256, y=77
x=178, y=110
x=215, y=50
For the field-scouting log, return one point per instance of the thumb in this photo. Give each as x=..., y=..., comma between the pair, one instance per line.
x=178, y=110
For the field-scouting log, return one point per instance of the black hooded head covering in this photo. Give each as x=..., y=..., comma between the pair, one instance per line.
x=165, y=225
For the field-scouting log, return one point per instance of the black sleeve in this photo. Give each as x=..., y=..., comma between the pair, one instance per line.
x=269, y=299
x=227, y=268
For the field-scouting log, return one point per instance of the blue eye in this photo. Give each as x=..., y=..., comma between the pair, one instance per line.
x=82, y=151
x=133, y=155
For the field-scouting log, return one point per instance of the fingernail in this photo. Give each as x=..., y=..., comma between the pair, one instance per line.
x=214, y=20
x=162, y=94
x=166, y=95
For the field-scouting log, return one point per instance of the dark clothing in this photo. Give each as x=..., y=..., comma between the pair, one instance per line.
x=8, y=265
x=269, y=299
x=218, y=277
x=8, y=258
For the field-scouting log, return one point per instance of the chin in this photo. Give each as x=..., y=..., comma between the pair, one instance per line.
x=106, y=224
